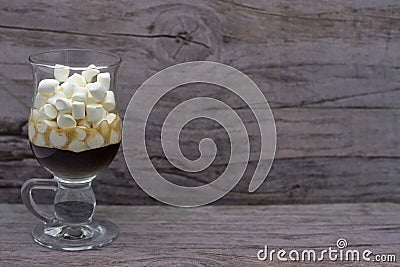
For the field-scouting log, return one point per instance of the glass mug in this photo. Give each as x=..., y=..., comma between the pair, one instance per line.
x=74, y=131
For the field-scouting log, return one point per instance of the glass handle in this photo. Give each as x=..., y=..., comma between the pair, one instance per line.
x=27, y=198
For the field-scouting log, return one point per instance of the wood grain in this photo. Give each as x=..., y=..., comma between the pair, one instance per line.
x=330, y=71
x=291, y=180
x=213, y=235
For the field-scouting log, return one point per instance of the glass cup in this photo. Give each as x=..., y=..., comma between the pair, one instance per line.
x=74, y=132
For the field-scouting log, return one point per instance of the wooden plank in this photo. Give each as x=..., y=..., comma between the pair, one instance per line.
x=301, y=133
x=212, y=235
x=284, y=83
x=296, y=180
x=325, y=56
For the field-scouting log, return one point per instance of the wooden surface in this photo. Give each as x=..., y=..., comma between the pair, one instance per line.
x=213, y=235
x=330, y=71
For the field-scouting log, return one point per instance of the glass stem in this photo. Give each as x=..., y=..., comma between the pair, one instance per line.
x=74, y=202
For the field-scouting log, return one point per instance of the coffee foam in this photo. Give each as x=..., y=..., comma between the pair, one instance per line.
x=78, y=138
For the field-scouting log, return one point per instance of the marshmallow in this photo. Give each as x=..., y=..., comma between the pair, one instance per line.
x=103, y=127
x=78, y=110
x=80, y=94
x=90, y=73
x=80, y=133
x=39, y=101
x=35, y=114
x=57, y=95
x=91, y=100
x=57, y=139
x=77, y=146
x=84, y=123
x=77, y=80
x=42, y=126
x=97, y=90
x=114, y=137
x=48, y=112
x=109, y=101
x=46, y=133
x=73, y=113
x=47, y=87
x=95, y=112
x=68, y=89
x=31, y=131
x=66, y=121
x=64, y=105
x=61, y=72
x=110, y=117
x=94, y=139
x=104, y=79
x=40, y=141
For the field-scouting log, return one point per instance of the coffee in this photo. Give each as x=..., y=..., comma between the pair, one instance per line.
x=68, y=164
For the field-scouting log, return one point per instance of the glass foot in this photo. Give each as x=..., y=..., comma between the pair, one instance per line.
x=75, y=237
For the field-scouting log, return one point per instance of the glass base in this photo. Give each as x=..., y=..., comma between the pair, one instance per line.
x=75, y=237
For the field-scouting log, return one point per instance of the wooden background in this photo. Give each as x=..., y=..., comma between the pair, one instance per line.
x=329, y=69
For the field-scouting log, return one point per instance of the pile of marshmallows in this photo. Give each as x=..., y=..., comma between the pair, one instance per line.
x=74, y=113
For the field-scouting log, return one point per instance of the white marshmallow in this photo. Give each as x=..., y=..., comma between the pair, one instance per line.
x=39, y=101
x=42, y=126
x=90, y=73
x=57, y=140
x=31, y=131
x=34, y=114
x=97, y=90
x=95, y=112
x=77, y=146
x=78, y=110
x=91, y=100
x=66, y=121
x=114, y=137
x=61, y=72
x=64, y=105
x=80, y=94
x=104, y=79
x=48, y=112
x=110, y=117
x=80, y=133
x=94, y=140
x=57, y=95
x=103, y=127
x=47, y=87
x=68, y=89
x=109, y=101
x=77, y=80
x=40, y=140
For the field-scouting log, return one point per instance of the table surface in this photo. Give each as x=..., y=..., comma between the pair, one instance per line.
x=212, y=235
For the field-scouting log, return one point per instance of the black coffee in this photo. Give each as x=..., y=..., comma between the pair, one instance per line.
x=68, y=164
